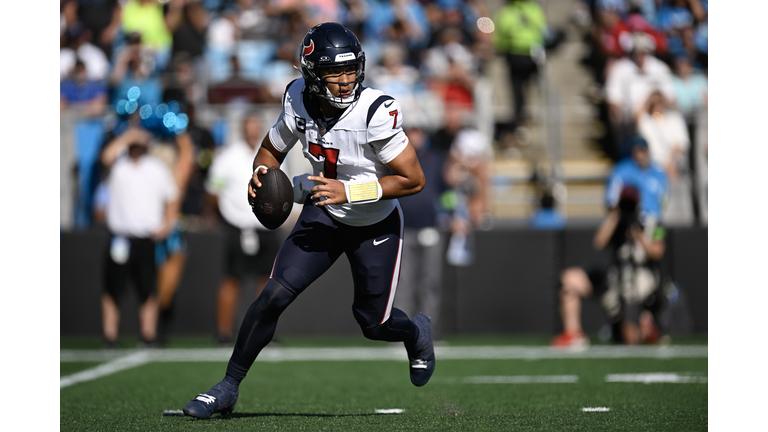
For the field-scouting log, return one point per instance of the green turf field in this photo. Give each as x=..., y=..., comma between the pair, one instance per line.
x=338, y=384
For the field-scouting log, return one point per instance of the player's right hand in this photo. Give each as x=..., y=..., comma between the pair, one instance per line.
x=255, y=183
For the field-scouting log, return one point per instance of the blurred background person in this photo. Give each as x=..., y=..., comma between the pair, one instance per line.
x=78, y=46
x=451, y=69
x=691, y=88
x=103, y=19
x=521, y=28
x=250, y=249
x=148, y=18
x=547, y=217
x=420, y=288
x=639, y=171
x=187, y=21
x=664, y=128
x=467, y=171
x=176, y=151
x=79, y=92
x=142, y=209
x=135, y=67
x=629, y=82
x=630, y=284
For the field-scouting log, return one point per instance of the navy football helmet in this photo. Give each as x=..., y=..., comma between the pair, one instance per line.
x=331, y=45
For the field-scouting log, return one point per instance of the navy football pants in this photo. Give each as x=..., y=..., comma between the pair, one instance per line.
x=316, y=242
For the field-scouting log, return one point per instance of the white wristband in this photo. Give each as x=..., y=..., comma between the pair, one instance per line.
x=363, y=192
x=259, y=167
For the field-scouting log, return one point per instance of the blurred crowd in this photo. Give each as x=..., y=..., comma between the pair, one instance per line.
x=163, y=59
x=648, y=60
x=149, y=68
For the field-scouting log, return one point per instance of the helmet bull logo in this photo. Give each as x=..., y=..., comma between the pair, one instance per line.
x=308, y=49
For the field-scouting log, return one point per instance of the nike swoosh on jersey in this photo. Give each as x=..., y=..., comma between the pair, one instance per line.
x=376, y=243
x=387, y=104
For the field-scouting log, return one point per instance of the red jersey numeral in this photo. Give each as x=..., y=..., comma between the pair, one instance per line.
x=330, y=155
x=394, y=113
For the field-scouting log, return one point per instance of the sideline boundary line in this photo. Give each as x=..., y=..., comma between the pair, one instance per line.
x=116, y=361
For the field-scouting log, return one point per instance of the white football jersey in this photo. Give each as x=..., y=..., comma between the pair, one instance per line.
x=367, y=136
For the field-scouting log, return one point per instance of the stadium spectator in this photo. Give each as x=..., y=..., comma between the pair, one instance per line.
x=609, y=37
x=453, y=121
x=638, y=23
x=182, y=84
x=451, y=69
x=354, y=15
x=256, y=19
x=420, y=286
x=187, y=21
x=136, y=67
x=468, y=171
x=395, y=77
x=350, y=208
x=546, y=216
x=204, y=145
x=630, y=81
x=250, y=249
x=79, y=92
x=142, y=209
x=103, y=19
x=78, y=46
x=147, y=17
x=691, y=88
x=222, y=33
x=383, y=14
x=664, y=128
x=176, y=151
x=627, y=286
x=68, y=16
x=171, y=252
x=639, y=171
x=521, y=28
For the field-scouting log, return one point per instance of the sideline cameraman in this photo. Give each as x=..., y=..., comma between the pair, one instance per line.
x=627, y=286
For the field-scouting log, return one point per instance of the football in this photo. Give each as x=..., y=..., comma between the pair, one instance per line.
x=274, y=200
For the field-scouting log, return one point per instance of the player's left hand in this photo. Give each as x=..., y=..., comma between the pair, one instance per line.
x=331, y=189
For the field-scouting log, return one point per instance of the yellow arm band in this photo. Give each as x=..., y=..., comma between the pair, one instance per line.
x=363, y=192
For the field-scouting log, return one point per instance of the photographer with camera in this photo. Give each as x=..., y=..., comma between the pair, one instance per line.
x=627, y=285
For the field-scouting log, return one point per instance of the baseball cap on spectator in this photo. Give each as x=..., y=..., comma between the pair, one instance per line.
x=636, y=141
x=641, y=42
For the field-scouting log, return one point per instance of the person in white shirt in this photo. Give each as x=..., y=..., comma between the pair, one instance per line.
x=664, y=128
x=142, y=209
x=629, y=83
x=362, y=162
x=249, y=247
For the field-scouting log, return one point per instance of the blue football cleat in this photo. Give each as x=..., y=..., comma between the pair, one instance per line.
x=422, y=355
x=220, y=399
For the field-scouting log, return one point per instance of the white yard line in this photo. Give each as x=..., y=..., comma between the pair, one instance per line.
x=124, y=359
x=521, y=379
x=658, y=377
x=122, y=363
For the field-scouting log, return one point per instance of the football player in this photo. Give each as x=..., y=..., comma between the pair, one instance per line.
x=362, y=162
